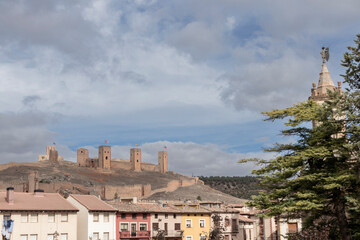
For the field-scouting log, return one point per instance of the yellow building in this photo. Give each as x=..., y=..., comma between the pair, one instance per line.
x=195, y=222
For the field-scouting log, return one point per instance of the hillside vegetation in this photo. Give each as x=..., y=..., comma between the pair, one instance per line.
x=240, y=187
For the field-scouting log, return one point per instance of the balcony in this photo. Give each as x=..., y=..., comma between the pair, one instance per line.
x=137, y=234
x=170, y=233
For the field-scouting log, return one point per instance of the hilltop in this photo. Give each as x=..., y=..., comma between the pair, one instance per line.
x=67, y=177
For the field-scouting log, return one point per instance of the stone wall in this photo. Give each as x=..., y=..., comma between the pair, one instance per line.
x=137, y=190
x=149, y=167
x=121, y=164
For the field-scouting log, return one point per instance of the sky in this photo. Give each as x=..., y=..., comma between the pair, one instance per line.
x=191, y=75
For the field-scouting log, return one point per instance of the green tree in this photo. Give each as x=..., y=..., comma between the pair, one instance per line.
x=217, y=231
x=316, y=177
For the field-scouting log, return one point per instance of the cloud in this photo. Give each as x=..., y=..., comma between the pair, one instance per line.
x=24, y=136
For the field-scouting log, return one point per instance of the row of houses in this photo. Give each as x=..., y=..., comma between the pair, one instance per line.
x=39, y=215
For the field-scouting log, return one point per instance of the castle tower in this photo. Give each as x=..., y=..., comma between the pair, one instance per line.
x=53, y=155
x=135, y=159
x=105, y=157
x=82, y=155
x=48, y=149
x=162, y=157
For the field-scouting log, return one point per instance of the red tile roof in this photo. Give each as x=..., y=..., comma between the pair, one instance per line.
x=30, y=202
x=93, y=203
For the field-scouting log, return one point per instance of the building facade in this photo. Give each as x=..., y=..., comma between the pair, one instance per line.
x=37, y=216
x=96, y=219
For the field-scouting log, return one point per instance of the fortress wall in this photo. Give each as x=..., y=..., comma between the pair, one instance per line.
x=18, y=187
x=137, y=190
x=149, y=167
x=186, y=183
x=120, y=165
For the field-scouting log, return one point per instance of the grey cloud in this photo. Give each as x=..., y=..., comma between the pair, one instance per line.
x=271, y=83
x=23, y=136
x=199, y=40
x=47, y=23
x=30, y=101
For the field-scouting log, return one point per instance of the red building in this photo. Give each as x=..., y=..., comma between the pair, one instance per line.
x=132, y=221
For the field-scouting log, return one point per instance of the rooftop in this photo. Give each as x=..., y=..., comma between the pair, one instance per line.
x=31, y=202
x=93, y=203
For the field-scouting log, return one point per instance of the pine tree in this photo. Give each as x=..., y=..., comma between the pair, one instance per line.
x=316, y=177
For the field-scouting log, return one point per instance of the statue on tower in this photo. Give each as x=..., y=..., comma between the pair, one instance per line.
x=325, y=54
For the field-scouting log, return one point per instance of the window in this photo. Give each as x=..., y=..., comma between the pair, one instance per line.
x=156, y=215
x=144, y=215
x=64, y=217
x=24, y=219
x=95, y=236
x=51, y=217
x=95, y=217
x=143, y=227
x=106, y=217
x=227, y=222
x=155, y=226
x=33, y=218
x=50, y=237
x=188, y=223
x=123, y=216
x=24, y=236
x=124, y=227
x=203, y=237
x=105, y=236
x=134, y=216
x=202, y=223
x=64, y=236
x=174, y=216
x=166, y=215
x=292, y=228
x=33, y=237
x=188, y=237
x=177, y=226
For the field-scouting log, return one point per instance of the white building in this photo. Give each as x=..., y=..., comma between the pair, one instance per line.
x=96, y=219
x=37, y=216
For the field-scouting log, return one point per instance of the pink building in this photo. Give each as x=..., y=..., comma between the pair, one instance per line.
x=133, y=221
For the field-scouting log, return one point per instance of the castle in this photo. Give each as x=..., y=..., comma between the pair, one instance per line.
x=51, y=155
x=104, y=160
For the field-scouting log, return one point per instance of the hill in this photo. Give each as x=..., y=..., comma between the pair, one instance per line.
x=240, y=187
x=67, y=177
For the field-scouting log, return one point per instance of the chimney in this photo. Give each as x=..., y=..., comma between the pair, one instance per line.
x=10, y=195
x=39, y=193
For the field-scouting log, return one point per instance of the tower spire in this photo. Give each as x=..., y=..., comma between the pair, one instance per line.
x=320, y=93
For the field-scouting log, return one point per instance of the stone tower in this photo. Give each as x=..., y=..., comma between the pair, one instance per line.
x=162, y=157
x=105, y=157
x=48, y=149
x=53, y=156
x=82, y=155
x=319, y=93
x=135, y=159
x=33, y=181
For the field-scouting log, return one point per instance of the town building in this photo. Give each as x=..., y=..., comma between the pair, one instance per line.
x=227, y=219
x=166, y=221
x=132, y=221
x=37, y=216
x=96, y=219
x=195, y=221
